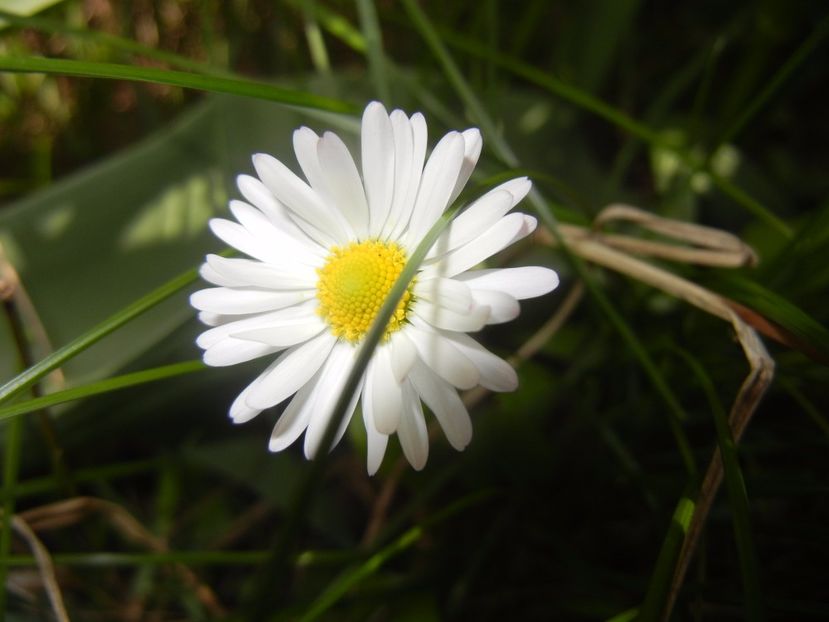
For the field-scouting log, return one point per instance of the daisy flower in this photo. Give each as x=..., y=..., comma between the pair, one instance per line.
x=322, y=256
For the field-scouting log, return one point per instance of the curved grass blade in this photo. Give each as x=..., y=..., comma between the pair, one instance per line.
x=114, y=42
x=37, y=371
x=592, y=104
x=738, y=496
x=217, y=84
x=264, y=597
x=373, y=35
x=352, y=577
x=102, y=386
x=454, y=75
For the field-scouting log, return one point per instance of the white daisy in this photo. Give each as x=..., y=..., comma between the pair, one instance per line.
x=324, y=255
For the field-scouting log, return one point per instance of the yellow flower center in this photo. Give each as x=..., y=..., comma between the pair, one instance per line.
x=353, y=284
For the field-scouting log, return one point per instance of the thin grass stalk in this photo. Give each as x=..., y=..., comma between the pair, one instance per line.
x=115, y=42
x=373, y=35
x=216, y=84
x=265, y=598
x=37, y=371
x=676, y=413
x=113, y=383
x=754, y=610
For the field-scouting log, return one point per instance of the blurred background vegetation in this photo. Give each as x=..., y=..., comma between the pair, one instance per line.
x=565, y=505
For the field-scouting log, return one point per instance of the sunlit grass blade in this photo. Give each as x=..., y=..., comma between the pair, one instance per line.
x=217, y=84
x=737, y=494
x=313, y=36
x=114, y=42
x=373, y=35
x=103, y=386
x=37, y=371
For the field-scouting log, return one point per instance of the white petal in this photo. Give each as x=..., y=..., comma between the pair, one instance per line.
x=238, y=237
x=410, y=137
x=294, y=419
x=295, y=367
x=211, y=319
x=287, y=333
x=327, y=225
x=239, y=271
x=305, y=148
x=502, y=307
x=240, y=410
x=376, y=442
x=209, y=274
x=343, y=182
x=496, y=373
x=439, y=178
x=257, y=194
x=472, y=222
x=235, y=301
x=472, y=320
x=378, y=157
x=403, y=354
x=234, y=351
x=448, y=293
x=445, y=403
x=443, y=357
x=232, y=324
x=520, y=283
x=286, y=249
x=472, y=151
x=494, y=239
x=386, y=395
x=413, y=435
x=530, y=224
x=331, y=383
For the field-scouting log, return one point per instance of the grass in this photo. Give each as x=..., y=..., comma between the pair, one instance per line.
x=575, y=498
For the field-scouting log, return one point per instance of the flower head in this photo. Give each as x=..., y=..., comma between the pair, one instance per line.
x=323, y=255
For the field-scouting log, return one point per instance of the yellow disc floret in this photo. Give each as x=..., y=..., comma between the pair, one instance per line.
x=353, y=284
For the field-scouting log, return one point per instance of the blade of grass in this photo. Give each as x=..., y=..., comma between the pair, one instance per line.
x=217, y=84
x=676, y=413
x=37, y=371
x=264, y=597
x=313, y=35
x=592, y=104
x=114, y=42
x=754, y=611
x=773, y=85
x=352, y=577
x=373, y=36
x=102, y=386
x=663, y=572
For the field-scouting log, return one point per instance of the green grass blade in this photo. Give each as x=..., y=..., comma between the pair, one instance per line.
x=373, y=35
x=773, y=85
x=813, y=337
x=114, y=42
x=37, y=371
x=738, y=496
x=663, y=572
x=264, y=597
x=675, y=413
x=102, y=386
x=216, y=84
x=313, y=35
x=352, y=577
x=596, y=106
